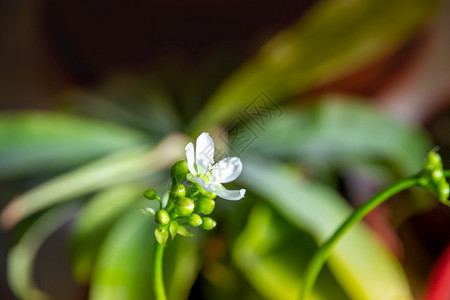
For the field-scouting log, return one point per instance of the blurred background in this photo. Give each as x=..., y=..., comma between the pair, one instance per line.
x=326, y=102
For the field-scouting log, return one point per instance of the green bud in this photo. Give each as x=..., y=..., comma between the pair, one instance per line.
x=151, y=194
x=178, y=191
x=205, y=206
x=162, y=235
x=184, y=207
x=179, y=171
x=208, y=194
x=437, y=175
x=434, y=158
x=208, y=223
x=195, y=220
x=162, y=217
x=444, y=191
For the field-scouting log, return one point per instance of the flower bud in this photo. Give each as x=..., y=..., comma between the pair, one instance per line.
x=437, y=175
x=195, y=220
x=178, y=191
x=184, y=207
x=208, y=223
x=150, y=194
x=162, y=217
x=205, y=206
x=208, y=194
x=178, y=171
x=162, y=235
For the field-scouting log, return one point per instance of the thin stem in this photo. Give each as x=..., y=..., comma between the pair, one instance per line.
x=158, y=280
x=318, y=260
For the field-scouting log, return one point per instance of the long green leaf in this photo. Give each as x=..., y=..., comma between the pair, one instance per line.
x=36, y=142
x=364, y=267
x=118, y=168
x=94, y=222
x=333, y=39
x=123, y=269
x=341, y=131
x=21, y=256
x=272, y=253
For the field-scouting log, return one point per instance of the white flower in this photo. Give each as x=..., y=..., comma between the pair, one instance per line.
x=209, y=175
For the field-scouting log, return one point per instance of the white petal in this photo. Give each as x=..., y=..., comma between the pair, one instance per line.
x=222, y=192
x=202, y=183
x=227, y=170
x=190, y=158
x=204, y=153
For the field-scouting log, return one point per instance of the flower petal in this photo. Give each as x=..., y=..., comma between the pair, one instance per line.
x=204, y=153
x=190, y=158
x=222, y=192
x=209, y=187
x=227, y=170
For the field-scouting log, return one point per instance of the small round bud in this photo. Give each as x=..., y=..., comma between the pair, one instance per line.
x=205, y=206
x=150, y=194
x=208, y=194
x=195, y=220
x=178, y=191
x=184, y=207
x=178, y=171
x=444, y=190
x=434, y=158
x=208, y=223
x=162, y=217
x=437, y=175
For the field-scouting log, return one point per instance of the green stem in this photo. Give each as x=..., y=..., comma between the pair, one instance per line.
x=158, y=280
x=318, y=260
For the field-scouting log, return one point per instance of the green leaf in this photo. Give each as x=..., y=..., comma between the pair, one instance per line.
x=333, y=39
x=21, y=256
x=118, y=168
x=122, y=270
x=162, y=235
x=173, y=228
x=93, y=223
x=341, y=131
x=35, y=142
x=272, y=254
x=183, y=231
x=358, y=258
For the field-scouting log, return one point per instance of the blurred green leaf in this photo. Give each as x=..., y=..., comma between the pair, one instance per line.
x=123, y=269
x=36, y=142
x=333, y=39
x=21, y=256
x=273, y=254
x=93, y=223
x=341, y=133
x=118, y=168
x=364, y=268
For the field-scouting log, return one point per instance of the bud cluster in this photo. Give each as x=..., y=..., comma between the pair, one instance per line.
x=183, y=207
x=433, y=177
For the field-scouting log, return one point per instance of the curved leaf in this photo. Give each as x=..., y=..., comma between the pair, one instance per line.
x=365, y=268
x=341, y=131
x=273, y=255
x=94, y=222
x=36, y=142
x=118, y=168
